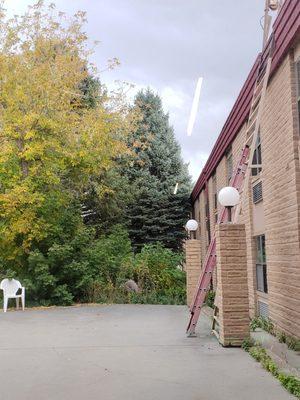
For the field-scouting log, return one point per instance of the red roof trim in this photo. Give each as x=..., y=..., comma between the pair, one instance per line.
x=285, y=29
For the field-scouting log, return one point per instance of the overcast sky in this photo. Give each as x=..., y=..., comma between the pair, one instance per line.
x=167, y=45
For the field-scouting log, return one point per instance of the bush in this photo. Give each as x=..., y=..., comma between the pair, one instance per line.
x=210, y=299
x=267, y=325
x=155, y=269
x=290, y=382
x=264, y=323
x=90, y=269
x=158, y=269
x=108, y=255
x=247, y=344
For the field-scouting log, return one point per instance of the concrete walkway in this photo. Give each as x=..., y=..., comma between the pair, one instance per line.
x=123, y=352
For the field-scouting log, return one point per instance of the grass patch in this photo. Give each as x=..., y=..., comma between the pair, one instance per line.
x=289, y=382
x=267, y=325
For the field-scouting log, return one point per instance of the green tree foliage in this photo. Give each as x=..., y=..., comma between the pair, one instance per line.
x=65, y=184
x=93, y=269
x=156, y=214
x=56, y=133
x=102, y=209
x=156, y=269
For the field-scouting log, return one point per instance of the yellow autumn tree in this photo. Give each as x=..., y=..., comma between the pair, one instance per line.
x=51, y=143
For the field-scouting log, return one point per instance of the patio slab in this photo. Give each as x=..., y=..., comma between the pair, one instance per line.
x=123, y=352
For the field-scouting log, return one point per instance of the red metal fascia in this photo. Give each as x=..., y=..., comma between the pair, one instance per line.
x=285, y=29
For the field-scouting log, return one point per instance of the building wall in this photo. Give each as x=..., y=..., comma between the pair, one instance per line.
x=192, y=267
x=204, y=238
x=281, y=179
x=278, y=215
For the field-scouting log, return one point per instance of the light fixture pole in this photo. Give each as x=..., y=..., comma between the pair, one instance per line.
x=229, y=197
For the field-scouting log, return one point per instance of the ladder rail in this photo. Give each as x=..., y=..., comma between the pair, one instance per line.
x=255, y=134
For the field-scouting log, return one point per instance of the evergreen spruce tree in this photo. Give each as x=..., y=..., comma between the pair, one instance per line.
x=156, y=213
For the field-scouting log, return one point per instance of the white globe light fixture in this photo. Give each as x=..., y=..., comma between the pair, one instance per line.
x=229, y=197
x=191, y=225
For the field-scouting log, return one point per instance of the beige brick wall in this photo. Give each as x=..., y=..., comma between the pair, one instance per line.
x=197, y=218
x=204, y=241
x=232, y=286
x=212, y=220
x=281, y=204
x=281, y=180
x=192, y=266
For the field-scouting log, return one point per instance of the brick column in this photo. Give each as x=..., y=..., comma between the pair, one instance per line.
x=192, y=266
x=232, y=289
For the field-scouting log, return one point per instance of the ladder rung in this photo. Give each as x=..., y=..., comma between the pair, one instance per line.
x=255, y=101
x=253, y=113
x=251, y=127
x=258, y=87
x=257, y=93
x=261, y=74
x=249, y=139
x=255, y=166
x=216, y=333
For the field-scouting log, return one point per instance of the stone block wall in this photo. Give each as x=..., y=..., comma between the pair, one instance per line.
x=232, y=289
x=192, y=266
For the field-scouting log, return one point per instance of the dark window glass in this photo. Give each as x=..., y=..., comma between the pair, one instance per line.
x=261, y=265
x=214, y=185
x=207, y=218
x=229, y=163
x=257, y=193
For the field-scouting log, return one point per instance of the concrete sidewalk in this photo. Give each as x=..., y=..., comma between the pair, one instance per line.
x=123, y=352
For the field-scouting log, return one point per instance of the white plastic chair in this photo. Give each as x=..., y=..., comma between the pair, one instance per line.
x=10, y=288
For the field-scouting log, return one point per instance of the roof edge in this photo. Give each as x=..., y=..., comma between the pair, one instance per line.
x=285, y=28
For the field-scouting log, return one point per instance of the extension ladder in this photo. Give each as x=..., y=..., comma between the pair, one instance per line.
x=238, y=180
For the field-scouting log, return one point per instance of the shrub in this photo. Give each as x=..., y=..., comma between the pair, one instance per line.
x=210, y=298
x=107, y=255
x=247, y=344
x=263, y=323
x=267, y=325
x=158, y=269
x=155, y=269
x=290, y=382
x=89, y=269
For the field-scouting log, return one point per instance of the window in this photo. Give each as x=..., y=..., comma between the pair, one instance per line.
x=215, y=195
x=207, y=216
x=229, y=165
x=257, y=193
x=298, y=86
x=199, y=223
x=257, y=157
x=261, y=265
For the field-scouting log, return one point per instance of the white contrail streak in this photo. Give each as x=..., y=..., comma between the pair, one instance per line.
x=176, y=188
x=194, y=107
